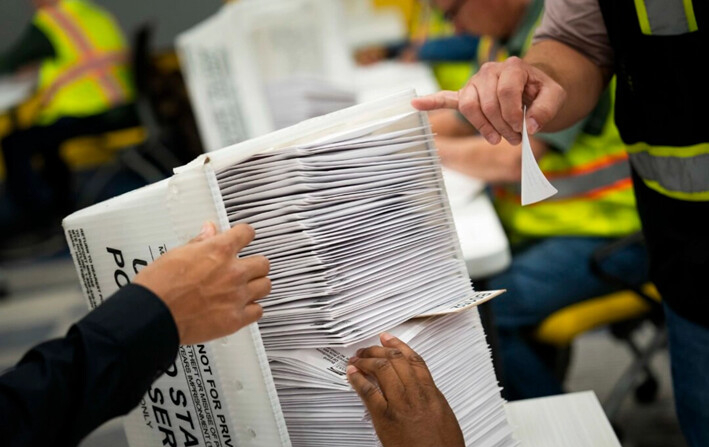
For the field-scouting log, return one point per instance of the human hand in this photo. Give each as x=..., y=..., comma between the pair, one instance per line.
x=492, y=100
x=407, y=408
x=370, y=55
x=409, y=54
x=209, y=291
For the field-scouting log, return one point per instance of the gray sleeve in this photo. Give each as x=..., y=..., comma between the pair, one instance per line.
x=563, y=140
x=578, y=24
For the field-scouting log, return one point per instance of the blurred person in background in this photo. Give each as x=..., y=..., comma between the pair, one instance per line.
x=431, y=39
x=654, y=49
x=84, y=88
x=552, y=241
x=456, y=48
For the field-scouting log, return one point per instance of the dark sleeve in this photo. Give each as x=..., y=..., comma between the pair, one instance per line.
x=457, y=48
x=563, y=140
x=32, y=46
x=63, y=389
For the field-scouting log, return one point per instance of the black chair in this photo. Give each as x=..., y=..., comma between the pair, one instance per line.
x=625, y=313
x=163, y=103
x=148, y=158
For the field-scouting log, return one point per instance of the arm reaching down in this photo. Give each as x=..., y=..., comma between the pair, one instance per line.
x=558, y=85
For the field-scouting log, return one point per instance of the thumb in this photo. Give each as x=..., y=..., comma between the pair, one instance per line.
x=547, y=98
x=208, y=230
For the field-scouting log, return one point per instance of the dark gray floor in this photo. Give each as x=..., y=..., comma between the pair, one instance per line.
x=598, y=362
x=45, y=299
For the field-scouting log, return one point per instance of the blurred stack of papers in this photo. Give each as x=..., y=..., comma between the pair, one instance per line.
x=319, y=406
x=15, y=89
x=357, y=230
x=388, y=77
x=296, y=99
x=247, y=54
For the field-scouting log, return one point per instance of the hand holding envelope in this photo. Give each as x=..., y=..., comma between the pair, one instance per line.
x=407, y=408
x=209, y=291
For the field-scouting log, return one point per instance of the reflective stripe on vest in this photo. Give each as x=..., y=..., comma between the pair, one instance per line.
x=678, y=172
x=598, y=203
x=590, y=181
x=665, y=132
x=666, y=17
x=89, y=61
x=97, y=65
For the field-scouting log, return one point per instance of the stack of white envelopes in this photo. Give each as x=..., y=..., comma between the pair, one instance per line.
x=357, y=227
x=320, y=407
x=357, y=230
x=352, y=211
x=298, y=98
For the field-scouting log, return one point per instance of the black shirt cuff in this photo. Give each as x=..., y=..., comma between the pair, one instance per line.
x=140, y=322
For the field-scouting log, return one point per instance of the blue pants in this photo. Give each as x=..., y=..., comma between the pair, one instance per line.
x=689, y=357
x=678, y=242
x=543, y=278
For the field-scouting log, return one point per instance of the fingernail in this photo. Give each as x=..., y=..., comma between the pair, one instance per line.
x=492, y=138
x=351, y=369
x=532, y=125
x=359, y=352
x=387, y=336
x=204, y=230
x=354, y=359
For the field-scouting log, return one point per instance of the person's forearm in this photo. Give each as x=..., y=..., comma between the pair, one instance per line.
x=65, y=388
x=582, y=80
x=475, y=157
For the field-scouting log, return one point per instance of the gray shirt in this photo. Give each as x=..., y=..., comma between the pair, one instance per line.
x=578, y=24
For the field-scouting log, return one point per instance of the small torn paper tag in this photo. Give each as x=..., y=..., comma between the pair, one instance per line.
x=535, y=187
x=476, y=299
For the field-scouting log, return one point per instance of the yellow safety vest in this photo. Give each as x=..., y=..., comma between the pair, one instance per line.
x=450, y=75
x=89, y=73
x=657, y=42
x=409, y=9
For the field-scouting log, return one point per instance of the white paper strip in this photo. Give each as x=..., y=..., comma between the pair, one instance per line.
x=478, y=298
x=535, y=187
